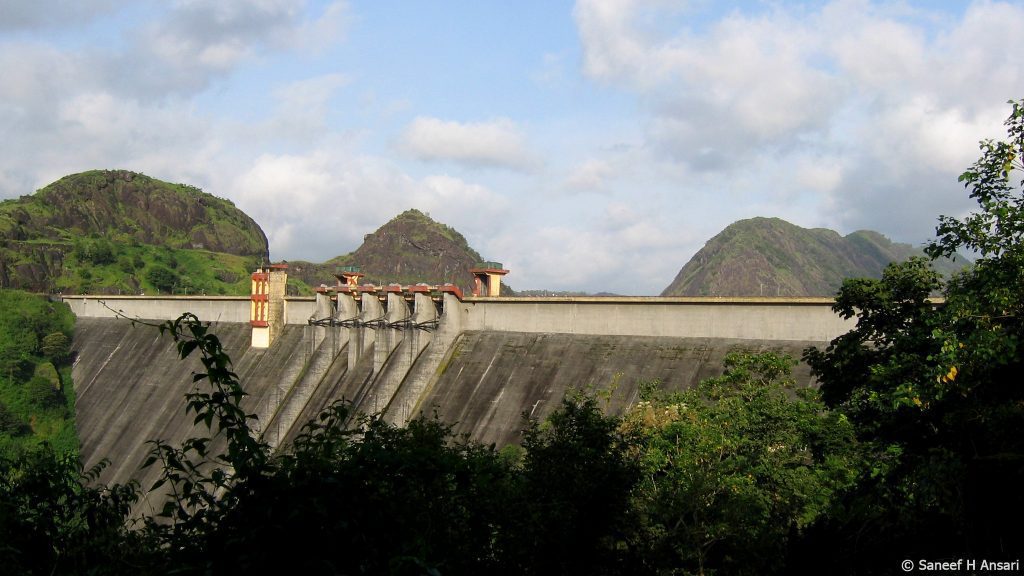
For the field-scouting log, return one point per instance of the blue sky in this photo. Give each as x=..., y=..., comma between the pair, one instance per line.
x=591, y=145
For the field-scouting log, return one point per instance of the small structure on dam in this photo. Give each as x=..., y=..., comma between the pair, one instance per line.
x=267, y=311
x=479, y=362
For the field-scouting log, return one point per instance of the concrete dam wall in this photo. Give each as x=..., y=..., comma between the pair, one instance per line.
x=478, y=363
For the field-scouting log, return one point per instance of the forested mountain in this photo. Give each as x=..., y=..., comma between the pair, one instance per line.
x=771, y=257
x=410, y=248
x=113, y=230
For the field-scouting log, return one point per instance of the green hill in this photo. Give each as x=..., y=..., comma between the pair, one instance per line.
x=410, y=248
x=109, y=231
x=771, y=257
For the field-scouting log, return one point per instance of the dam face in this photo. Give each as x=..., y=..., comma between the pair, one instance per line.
x=481, y=364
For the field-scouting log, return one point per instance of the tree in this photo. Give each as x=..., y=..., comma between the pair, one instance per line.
x=11, y=424
x=570, y=509
x=161, y=278
x=41, y=393
x=934, y=390
x=56, y=346
x=735, y=469
x=54, y=519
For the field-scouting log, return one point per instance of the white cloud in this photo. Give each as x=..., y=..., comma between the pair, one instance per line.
x=198, y=42
x=892, y=98
x=497, y=142
x=130, y=104
x=302, y=110
x=591, y=175
x=318, y=205
x=624, y=250
x=744, y=84
x=41, y=14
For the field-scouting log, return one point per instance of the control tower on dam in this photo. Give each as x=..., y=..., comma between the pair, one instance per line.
x=478, y=361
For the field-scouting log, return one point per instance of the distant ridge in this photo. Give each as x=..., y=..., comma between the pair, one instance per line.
x=771, y=257
x=410, y=248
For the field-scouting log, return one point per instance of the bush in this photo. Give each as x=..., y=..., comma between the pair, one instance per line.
x=41, y=393
x=56, y=346
x=11, y=424
x=161, y=278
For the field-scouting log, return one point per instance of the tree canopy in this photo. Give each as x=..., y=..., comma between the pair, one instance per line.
x=934, y=387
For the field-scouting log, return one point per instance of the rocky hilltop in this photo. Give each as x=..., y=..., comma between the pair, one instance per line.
x=771, y=257
x=67, y=235
x=410, y=248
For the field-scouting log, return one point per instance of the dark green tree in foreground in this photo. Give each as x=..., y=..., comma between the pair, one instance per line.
x=935, y=391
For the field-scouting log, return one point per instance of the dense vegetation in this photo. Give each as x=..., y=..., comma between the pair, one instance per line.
x=910, y=450
x=115, y=232
x=36, y=396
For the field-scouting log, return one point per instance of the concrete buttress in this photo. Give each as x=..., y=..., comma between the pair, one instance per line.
x=433, y=361
x=394, y=356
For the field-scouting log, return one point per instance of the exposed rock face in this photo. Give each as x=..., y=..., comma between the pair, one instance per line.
x=771, y=257
x=150, y=211
x=38, y=231
x=410, y=248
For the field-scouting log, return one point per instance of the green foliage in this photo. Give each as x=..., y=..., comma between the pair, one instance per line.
x=11, y=424
x=56, y=346
x=161, y=278
x=40, y=392
x=934, y=391
x=54, y=520
x=883, y=365
x=47, y=371
x=34, y=331
x=95, y=251
x=735, y=469
x=570, y=512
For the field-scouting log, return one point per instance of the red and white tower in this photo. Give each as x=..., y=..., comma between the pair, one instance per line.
x=266, y=312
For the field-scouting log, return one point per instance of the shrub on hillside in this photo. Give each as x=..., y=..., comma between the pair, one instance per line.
x=41, y=393
x=161, y=278
x=11, y=424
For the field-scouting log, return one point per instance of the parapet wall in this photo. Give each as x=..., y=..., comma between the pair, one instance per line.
x=779, y=319
x=206, y=308
x=297, y=310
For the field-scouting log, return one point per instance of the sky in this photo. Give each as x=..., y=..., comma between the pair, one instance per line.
x=593, y=145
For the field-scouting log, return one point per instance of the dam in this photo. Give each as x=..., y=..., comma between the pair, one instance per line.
x=480, y=363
